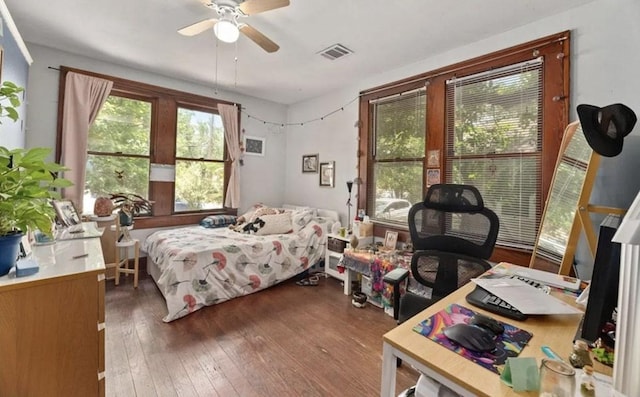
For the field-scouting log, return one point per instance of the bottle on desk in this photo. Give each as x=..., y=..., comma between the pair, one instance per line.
x=587, y=382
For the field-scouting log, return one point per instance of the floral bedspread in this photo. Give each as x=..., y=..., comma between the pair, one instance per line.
x=202, y=267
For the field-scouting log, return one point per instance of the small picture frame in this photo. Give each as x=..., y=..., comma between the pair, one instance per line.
x=310, y=163
x=433, y=176
x=25, y=246
x=254, y=146
x=327, y=174
x=390, y=240
x=433, y=158
x=66, y=214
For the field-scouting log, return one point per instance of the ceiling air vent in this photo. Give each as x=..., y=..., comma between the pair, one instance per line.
x=335, y=51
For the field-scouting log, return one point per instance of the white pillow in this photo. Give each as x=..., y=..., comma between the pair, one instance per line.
x=275, y=224
x=301, y=218
x=246, y=217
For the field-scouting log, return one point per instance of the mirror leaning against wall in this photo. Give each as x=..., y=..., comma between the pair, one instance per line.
x=567, y=211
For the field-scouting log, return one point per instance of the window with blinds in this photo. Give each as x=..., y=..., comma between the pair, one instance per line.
x=494, y=142
x=398, y=142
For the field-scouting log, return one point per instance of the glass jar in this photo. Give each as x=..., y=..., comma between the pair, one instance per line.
x=587, y=382
x=557, y=379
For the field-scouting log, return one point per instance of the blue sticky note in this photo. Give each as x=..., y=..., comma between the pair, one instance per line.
x=26, y=267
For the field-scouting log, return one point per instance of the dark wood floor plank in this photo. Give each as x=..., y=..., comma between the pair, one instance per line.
x=287, y=340
x=121, y=381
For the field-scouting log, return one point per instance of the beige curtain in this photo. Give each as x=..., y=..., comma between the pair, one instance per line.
x=229, y=114
x=83, y=97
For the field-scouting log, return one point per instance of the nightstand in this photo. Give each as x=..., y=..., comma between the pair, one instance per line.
x=335, y=247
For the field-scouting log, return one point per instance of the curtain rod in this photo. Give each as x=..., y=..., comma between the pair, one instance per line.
x=51, y=67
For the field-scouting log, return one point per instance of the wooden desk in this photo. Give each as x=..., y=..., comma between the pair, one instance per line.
x=460, y=374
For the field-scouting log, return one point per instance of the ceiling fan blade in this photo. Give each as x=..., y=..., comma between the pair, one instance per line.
x=260, y=39
x=198, y=27
x=250, y=7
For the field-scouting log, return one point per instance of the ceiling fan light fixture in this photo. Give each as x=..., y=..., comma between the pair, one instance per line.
x=226, y=30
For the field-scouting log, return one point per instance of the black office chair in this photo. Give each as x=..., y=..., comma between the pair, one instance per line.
x=453, y=235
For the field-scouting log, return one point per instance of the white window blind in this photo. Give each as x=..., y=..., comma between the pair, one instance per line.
x=398, y=145
x=494, y=142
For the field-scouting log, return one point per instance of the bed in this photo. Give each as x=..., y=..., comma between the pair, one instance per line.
x=198, y=266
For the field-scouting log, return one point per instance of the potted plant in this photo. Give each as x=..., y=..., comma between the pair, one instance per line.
x=26, y=183
x=130, y=205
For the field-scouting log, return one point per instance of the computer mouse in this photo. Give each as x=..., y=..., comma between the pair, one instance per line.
x=488, y=323
x=471, y=337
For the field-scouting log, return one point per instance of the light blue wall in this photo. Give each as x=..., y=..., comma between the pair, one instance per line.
x=15, y=68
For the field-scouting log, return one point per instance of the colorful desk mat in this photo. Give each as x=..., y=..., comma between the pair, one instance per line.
x=509, y=344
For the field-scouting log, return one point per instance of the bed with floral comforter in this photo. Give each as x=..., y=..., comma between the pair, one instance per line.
x=198, y=266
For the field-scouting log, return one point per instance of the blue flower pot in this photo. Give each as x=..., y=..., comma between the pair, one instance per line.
x=9, y=248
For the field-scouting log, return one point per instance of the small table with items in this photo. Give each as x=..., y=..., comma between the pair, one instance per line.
x=374, y=266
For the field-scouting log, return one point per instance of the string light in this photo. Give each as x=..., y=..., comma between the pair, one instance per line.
x=301, y=124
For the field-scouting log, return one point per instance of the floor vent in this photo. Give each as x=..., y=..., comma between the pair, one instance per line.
x=335, y=51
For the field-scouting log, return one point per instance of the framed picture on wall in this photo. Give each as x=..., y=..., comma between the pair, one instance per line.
x=327, y=174
x=310, y=163
x=254, y=145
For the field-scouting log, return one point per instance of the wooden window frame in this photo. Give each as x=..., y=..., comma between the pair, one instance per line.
x=165, y=102
x=555, y=50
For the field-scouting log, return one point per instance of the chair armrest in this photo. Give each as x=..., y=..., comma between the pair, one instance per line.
x=396, y=276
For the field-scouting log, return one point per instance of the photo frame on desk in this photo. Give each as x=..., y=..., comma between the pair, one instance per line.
x=390, y=240
x=25, y=245
x=66, y=214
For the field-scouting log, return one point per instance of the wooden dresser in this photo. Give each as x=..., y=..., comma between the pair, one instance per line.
x=52, y=324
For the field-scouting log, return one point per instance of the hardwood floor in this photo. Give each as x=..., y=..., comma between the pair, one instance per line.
x=287, y=340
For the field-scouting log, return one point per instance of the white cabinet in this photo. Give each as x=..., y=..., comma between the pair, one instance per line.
x=335, y=247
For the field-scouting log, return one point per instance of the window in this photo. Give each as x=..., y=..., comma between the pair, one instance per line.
x=398, y=142
x=141, y=125
x=495, y=122
x=494, y=142
x=118, y=149
x=199, y=160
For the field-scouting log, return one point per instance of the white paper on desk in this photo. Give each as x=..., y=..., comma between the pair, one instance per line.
x=524, y=297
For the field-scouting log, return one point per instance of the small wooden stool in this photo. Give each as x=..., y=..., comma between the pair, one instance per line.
x=122, y=254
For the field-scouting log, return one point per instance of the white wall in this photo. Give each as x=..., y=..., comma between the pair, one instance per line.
x=604, y=63
x=261, y=177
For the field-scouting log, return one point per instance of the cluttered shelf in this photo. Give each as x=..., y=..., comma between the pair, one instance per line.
x=370, y=268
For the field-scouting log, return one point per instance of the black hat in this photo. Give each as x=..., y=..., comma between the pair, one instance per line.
x=605, y=128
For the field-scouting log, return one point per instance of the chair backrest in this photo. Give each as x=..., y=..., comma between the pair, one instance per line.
x=453, y=218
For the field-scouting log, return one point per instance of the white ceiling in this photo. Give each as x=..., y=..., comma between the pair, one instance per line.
x=384, y=35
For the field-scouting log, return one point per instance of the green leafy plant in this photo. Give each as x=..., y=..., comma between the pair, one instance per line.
x=9, y=92
x=26, y=183
x=131, y=203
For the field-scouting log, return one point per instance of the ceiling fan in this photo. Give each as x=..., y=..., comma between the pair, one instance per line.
x=227, y=28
